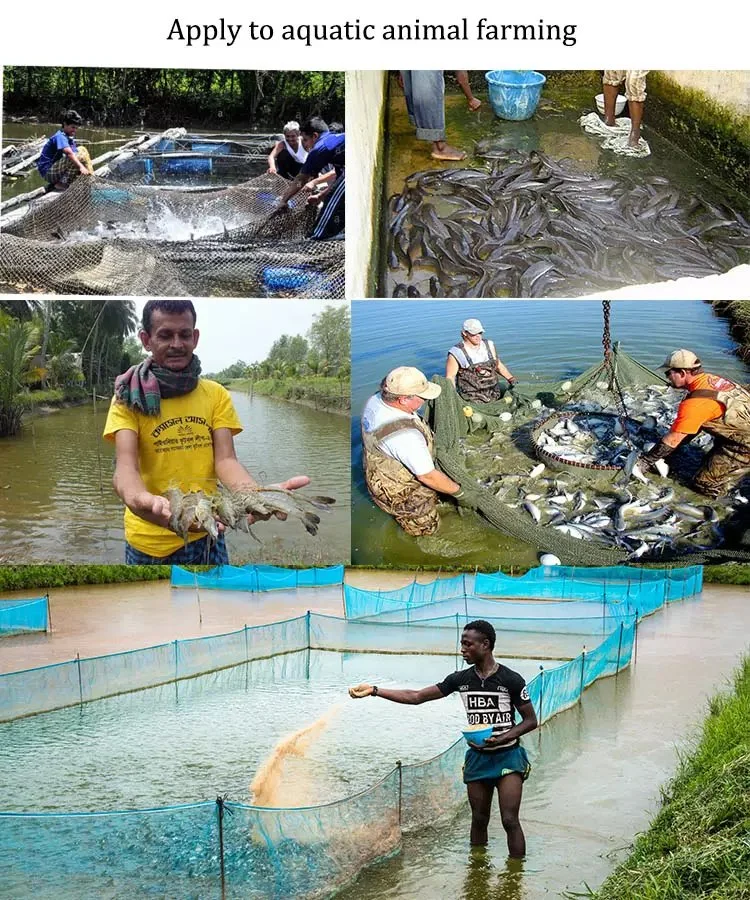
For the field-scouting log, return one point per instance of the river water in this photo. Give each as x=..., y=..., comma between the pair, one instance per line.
x=541, y=340
x=553, y=130
x=57, y=503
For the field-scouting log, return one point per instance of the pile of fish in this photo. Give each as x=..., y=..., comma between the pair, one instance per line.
x=197, y=510
x=641, y=514
x=534, y=227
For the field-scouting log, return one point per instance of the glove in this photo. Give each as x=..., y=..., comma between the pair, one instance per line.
x=466, y=498
x=362, y=690
x=658, y=451
x=512, y=382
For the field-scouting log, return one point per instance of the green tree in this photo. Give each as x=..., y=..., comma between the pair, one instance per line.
x=17, y=351
x=330, y=338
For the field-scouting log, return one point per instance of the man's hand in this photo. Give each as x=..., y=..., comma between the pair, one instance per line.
x=512, y=382
x=291, y=484
x=360, y=691
x=466, y=498
x=151, y=507
x=659, y=451
x=489, y=742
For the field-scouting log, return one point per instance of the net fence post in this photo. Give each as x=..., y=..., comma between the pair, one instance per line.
x=247, y=658
x=176, y=670
x=541, y=694
x=80, y=680
x=635, y=640
x=400, y=790
x=49, y=613
x=308, y=641
x=619, y=650
x=583, y=669
x=220, y=814
x=458, y=638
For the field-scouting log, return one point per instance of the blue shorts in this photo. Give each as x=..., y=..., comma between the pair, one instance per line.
x=480, y=766
x=197, y=553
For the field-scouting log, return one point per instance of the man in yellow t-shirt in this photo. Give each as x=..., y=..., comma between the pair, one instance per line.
x=172, y=428
x=714, y=405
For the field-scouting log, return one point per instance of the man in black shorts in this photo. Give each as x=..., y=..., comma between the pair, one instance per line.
x=490, y=692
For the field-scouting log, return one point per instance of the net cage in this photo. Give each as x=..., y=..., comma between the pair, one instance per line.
x=107, y=237
x=256, y=578
x=230, y=849
x=638, y=590
x=615, y=389
x=20, y=616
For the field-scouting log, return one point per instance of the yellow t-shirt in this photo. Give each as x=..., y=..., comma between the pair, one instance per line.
x=175, y=449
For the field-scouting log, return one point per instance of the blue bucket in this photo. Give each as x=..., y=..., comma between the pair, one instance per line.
x=514, y=94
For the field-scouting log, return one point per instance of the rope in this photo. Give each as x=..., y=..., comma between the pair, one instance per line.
x=609, y=365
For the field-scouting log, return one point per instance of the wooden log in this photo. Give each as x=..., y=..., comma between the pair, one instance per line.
x=20, y=198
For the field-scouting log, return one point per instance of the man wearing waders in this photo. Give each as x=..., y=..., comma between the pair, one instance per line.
x=474, y=367
x=717, y=406
x=398, y=453
x=490, y=693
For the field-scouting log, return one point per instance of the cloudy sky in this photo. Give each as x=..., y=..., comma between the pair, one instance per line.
x=233, y=329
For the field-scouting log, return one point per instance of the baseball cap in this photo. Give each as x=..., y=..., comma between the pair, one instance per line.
x=681, y=359
x=472, y=326
x=406, y=381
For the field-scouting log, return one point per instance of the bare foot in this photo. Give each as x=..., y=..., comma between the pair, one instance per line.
x=635, y=139
x=474, y=104
x=441, y=150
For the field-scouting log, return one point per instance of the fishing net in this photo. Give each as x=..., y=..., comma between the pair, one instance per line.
x=531, y=226
x=256, y=578
x=493, y=446
x=106, y=237
x=18, y=616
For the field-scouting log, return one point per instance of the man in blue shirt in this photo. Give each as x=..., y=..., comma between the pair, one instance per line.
x=62, y=160
x=325, y=164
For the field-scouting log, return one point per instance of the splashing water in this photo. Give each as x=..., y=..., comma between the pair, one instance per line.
x=266, y=786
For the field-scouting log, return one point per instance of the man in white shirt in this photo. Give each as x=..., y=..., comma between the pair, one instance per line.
x=398, y=453
x=474, y=366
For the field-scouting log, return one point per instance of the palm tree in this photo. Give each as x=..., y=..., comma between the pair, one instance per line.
x=17, y=350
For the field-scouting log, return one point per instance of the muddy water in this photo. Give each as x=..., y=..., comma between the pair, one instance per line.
x=597, y=769
x=57, y=504
x=555, y=131
x=545, y=340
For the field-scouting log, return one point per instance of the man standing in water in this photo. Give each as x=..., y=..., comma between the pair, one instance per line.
x=717, y=406
x=474, y=366
x=490, y=692
x=172, y=428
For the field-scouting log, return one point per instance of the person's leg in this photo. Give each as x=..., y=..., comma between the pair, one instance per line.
x=480, y=801
x=610, y=88
x=427, y=88
x=406, y=84
x=635, y=91
x=509, y=791
x=331, y=219
x=723, y=469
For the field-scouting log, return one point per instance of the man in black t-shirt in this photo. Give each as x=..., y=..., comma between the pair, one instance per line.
x=490, y=692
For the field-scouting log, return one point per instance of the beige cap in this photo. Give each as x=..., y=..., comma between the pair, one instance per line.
x=406, y=381
x=681, y=359
x=472, y=326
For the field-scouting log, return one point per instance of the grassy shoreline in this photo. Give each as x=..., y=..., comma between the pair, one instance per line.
x=324, y=394
x=698, y=845
x=32, y=577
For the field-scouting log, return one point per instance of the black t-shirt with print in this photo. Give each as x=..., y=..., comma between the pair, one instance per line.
x=489, y=702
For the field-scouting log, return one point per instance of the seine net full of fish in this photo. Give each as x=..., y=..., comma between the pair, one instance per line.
x=532, y=226
x=564, y=505
x=105, y=237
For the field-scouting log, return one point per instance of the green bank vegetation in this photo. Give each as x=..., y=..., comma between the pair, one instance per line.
x=314, y=369
x=20, y=578
x=698, y=846
x=52, y=352
x=219, y=97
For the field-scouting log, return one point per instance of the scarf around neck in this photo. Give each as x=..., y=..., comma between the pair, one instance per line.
x=145, y=385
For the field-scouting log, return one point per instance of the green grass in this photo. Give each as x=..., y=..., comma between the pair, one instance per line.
x=19, y=578
x=52, y=397
x=329, y=394
x=698, y=846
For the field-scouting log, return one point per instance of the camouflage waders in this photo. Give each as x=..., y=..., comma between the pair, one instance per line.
x=393, y=487
x=478, y=382
x=729, y=460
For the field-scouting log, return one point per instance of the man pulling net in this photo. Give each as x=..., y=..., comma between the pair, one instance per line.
x=490, y=693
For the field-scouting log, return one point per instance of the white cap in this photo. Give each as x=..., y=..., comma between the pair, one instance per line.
x=406, y=381
x=681, y=359
x=472, y=326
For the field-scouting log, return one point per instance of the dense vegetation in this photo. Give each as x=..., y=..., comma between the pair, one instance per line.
x=20, y=578
x=61, y=350
x=314, y=369
x=698, y=846
x=162, y=97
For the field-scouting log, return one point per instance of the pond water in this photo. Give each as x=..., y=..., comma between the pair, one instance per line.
x=57, y=503
x=540, y=341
